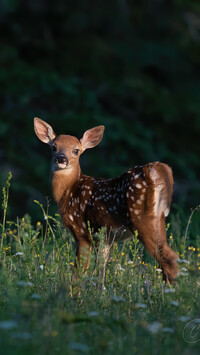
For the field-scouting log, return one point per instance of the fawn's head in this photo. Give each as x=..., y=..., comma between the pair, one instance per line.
x=66, y=149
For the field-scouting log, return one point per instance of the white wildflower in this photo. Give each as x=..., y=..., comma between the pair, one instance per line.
x=183, y=261
x=154, y=327
x=183, y=318
x=168, y=330
x=141, y=305
x=24, y=283
x=19, y=253
x=8, y=324
x=169, y=290
x=175, y=303
x=158, y=270
x=120, y=268
x=93, y=314
x=35, y=296
x=118, y=299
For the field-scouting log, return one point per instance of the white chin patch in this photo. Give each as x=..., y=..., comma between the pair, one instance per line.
x=61, y=165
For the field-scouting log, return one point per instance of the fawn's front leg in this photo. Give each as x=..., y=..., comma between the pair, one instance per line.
x=83, y=251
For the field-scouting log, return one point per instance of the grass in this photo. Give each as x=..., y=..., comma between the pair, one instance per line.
x=136, y=312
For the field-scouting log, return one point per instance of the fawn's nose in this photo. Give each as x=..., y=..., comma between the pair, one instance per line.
x=61, y=159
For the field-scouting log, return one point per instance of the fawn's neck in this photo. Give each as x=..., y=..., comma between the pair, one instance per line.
x=63, y=180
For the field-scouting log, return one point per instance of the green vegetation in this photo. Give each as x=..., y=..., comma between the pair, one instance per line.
x=135, y=313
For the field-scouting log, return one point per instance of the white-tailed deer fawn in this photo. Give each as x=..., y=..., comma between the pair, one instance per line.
x=138, y=200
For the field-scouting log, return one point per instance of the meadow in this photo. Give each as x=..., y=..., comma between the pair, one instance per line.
x=135, y=313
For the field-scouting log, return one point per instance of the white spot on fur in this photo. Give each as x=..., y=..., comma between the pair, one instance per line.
x=71, y=217
x=139, y=202
x=136, y=212
x=136, y=176
x=139, y=186
x=82, y=207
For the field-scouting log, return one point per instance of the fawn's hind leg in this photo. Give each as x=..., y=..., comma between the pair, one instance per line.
x=153, y=236
x=152, y=229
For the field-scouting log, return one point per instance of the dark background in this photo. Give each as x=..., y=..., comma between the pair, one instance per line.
x=133, y=66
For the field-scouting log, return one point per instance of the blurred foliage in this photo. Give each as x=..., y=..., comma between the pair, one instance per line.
x=130, y=65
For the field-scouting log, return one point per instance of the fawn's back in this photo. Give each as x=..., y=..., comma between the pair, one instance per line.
x=120, y=202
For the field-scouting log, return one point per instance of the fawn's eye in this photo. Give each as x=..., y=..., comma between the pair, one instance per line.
x=76, y=151
x=54, y=148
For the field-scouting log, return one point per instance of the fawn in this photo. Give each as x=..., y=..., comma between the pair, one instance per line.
x=138, y=200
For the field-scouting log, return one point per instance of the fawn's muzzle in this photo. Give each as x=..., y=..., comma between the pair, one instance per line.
x=61, y=159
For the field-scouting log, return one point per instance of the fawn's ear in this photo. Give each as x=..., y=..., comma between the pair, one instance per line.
x=44, y=131
x=92, y=137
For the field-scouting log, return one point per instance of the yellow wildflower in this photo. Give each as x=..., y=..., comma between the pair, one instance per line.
x=7, y=248
x=38, y=223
